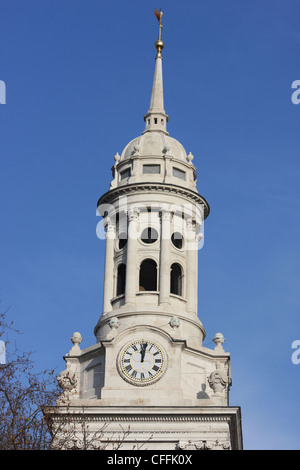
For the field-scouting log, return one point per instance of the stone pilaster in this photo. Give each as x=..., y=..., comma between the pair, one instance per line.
x=131, y=266
x=164, y=279
x=192, y=266
x=108, y=292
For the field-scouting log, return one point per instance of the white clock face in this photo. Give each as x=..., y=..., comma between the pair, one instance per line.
x=142, y=362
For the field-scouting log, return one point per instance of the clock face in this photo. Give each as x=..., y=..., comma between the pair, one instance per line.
x=142, y=362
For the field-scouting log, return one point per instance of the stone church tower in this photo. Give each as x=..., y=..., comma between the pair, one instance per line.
x=148, y=382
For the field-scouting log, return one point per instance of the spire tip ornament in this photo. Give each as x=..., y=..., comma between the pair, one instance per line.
x=159, y=45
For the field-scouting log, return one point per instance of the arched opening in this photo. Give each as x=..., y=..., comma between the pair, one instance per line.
x=121, y=277
x=176, y=279
x=122, y=241
x=148, y=275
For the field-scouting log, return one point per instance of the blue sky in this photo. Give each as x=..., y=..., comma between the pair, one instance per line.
x=78, y=78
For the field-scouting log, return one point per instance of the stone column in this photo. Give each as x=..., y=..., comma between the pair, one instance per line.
x=131, y=264
x=191, y=267
x=108, y=292
x=164, y=271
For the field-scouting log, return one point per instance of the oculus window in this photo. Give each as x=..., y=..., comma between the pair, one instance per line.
x=149, y=235
x=177, y=240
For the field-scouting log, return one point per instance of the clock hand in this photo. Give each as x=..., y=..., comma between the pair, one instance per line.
x=143, y=351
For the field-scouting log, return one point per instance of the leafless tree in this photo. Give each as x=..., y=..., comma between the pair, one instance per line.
x=23, y=394
x=29, y=417
x=71, y=431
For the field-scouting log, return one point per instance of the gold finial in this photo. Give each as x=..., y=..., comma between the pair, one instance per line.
x=159, y=45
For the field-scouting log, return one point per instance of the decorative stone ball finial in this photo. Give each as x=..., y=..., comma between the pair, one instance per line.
x=218, y=339
x=117, y=158
x=190, y=157
x=76, y=338
x=137, y=149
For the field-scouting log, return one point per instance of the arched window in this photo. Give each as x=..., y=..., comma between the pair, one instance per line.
x=148, y=275
x=122, y=240
x=176, y=279
x=121, y=276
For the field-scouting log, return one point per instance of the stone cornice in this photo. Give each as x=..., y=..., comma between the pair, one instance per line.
x=150, y=413
x=157, y=188
x=104, y=320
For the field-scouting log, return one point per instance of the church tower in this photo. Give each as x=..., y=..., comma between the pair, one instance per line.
x=148, y=382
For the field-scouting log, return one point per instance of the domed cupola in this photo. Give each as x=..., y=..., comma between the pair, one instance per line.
x=154, y=157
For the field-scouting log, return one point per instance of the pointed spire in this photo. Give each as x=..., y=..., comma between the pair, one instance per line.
x=156, y=118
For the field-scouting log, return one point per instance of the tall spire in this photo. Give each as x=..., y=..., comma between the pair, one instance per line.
x=156, y=119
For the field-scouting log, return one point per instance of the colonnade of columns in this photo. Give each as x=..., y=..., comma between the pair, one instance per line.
x=131, y=282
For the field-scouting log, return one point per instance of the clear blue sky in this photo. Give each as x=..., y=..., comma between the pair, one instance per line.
x=78, y=77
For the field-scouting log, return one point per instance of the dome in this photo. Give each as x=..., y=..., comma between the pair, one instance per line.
x=152, y=144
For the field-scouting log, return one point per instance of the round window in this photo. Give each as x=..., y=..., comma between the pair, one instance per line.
x=149, y=235
x=177, y=240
